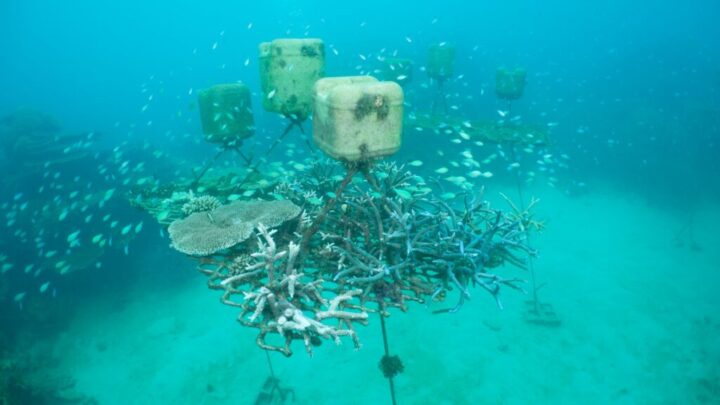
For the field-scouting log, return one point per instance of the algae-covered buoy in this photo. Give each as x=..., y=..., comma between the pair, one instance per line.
x=510, y=84
x=289, y=68
x=441, y=60
x=357, y=117
x=226, y=114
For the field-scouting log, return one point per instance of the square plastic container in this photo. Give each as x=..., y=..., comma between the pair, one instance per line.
x=226, y=113
x=289, y=69
x=441, y=59
x=357, y=117
x=510, y=84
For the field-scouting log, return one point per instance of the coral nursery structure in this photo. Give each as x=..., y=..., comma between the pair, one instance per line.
x=311, y=258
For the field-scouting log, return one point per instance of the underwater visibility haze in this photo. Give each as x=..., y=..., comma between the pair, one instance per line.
x=322, y=202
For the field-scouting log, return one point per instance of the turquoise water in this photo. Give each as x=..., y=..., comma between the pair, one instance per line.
x=100, y=118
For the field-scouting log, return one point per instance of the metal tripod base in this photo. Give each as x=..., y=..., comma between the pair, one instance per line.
x=540, y=313
x=272, y=393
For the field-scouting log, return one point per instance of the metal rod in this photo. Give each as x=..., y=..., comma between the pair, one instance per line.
x=387, y=354
x=207, y=167
x=531, y=262
x=272, y=371
x=282, y=136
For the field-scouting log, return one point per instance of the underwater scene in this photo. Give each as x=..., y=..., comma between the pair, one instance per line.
x=325, y=202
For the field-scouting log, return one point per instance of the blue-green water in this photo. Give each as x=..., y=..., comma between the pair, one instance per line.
x=100, y=110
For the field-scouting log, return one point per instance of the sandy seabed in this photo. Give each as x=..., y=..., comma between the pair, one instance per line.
x=639, y=318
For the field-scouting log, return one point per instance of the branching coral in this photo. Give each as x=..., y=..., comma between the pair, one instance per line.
x=363, y=245
x=277, y=298
x=200, y=204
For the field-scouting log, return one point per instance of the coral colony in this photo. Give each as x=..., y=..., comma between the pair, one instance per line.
x=380, y=239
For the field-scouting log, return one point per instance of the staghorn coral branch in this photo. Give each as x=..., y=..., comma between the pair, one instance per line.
x=377, y=250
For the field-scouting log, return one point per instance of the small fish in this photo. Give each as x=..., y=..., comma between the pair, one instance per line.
x=71, y=237
x=138, y=227
x=502, y=113
x=457, y=180
x=404, y=194
x=19, y=296
x=44, y=287
x=126, y=229
x=415, y=163
x=402, y=77
x=271, y=94
x=441, y=170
